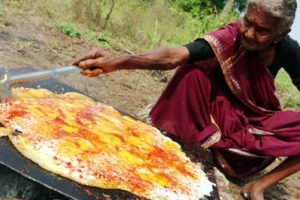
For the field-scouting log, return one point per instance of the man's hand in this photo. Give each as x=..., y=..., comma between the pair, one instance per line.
x=94, y=63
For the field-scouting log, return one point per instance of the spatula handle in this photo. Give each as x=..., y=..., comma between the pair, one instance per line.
x=39, y=75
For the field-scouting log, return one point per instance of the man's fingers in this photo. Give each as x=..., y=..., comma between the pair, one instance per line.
x=96, y=72
x=94, y=53
x=92, y=73
x=86, y=64
x=86, y=72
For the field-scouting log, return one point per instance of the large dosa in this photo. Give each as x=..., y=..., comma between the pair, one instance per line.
x=93, y=144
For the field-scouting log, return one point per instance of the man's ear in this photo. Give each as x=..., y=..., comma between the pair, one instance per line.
x=281, y=36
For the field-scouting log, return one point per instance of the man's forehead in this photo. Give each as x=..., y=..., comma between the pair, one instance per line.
x=256, y=14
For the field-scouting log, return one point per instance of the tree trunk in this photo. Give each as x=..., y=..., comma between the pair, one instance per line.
x=228, y=7
x=113, y=2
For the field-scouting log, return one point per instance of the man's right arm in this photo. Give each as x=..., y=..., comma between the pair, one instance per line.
x=159, y=59
x=96, y=62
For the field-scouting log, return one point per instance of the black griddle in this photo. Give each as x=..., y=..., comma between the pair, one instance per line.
x=13, y=160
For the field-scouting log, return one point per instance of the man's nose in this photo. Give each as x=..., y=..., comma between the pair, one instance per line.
x=250, y=33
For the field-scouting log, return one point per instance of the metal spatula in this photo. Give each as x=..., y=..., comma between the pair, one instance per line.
x=7, y=80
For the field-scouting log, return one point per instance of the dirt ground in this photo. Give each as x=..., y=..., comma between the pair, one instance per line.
x=31, y=41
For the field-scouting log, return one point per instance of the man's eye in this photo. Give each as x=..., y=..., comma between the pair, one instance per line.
x=246, y=23
x=263, y=31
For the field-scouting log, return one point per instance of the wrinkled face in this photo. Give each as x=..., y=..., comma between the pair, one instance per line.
x=258, y=29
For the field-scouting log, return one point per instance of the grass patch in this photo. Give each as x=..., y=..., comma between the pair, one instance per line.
x=135, y=25
x=288, y=94
x=68, y=29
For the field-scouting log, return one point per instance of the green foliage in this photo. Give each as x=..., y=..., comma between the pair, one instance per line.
x=48, y=11
x=197, y=8
x=2, y=7
x=100, y=38
x=202, y=8
x=287, y=92
x=68, y=29
x=94, y=13
x=154, y=37
x=3, y=2
x=136, y=24
x=161, y=24
x=88, y=11
x=240, y=4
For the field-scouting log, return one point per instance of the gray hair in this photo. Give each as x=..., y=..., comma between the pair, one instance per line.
x=285, y=10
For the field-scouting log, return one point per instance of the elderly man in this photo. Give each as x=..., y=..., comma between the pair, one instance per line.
x=222, y=95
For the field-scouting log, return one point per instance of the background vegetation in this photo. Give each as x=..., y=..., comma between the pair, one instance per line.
x=140, y=25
